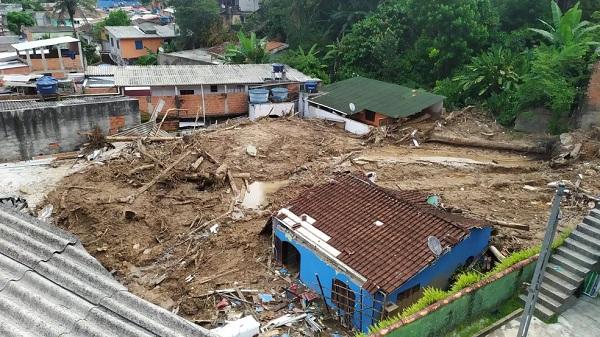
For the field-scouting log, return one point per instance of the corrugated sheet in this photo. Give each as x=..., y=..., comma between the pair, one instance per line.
x=131, y=32
x=103, y=70
x=366, y=94
x=33, y=104
x=43, y=43
x=50, y=286
x=198, y=74
x=346, y=210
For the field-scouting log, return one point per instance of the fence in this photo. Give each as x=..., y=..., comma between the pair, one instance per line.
x=464, y=306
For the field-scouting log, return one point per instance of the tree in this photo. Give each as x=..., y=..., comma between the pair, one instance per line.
x=516, y=14
x=307, y=62
x=249, y=49
x=18, y=19
x=199, y=22
x=90, y=53
x=567, y=28
x=114, y=18
x=150, y=59
x=70, y=7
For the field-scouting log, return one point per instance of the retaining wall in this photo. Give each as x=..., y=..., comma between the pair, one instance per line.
x=464, y=306
x=29, y=129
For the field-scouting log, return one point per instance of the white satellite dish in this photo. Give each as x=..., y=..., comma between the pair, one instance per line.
x=352, y=107
x=434, y=245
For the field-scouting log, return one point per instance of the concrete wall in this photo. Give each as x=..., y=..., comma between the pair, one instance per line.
x=29, y=132
x=465, y=306
x=590, y=114
x=270, y=109
x=350, y=125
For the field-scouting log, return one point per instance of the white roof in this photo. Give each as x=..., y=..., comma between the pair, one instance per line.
x=43, y=43
x=169, y=75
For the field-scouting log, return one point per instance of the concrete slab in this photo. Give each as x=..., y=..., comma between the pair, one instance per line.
x=581, y=320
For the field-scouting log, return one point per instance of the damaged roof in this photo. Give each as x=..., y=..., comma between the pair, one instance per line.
x=369, y=225
x=51, y=286
x=388, y=99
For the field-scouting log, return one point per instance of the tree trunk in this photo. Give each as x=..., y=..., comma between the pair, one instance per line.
x=537, y=147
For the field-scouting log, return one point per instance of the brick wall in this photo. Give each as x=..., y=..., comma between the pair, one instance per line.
x=590, y=114
x=112, y=90
x=219, y=104
x=20, y=70
x=54, y=64
x=379, y=119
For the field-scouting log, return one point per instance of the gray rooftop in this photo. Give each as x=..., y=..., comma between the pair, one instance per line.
x=134, y=32
x=51, y=286
x=33, y=104
x=50, y=29
x=195, y=74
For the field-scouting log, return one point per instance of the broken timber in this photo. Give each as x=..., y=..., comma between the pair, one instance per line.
x=539, y=148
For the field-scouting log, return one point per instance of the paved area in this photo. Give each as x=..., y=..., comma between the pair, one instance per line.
x=581, y=320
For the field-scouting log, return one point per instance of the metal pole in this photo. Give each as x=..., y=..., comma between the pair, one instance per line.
x=542, y=261
x=322, y=293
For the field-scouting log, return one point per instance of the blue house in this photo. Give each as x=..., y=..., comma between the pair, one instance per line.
x=370, y=251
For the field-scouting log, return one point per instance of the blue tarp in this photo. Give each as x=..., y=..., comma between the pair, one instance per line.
x=116, y=3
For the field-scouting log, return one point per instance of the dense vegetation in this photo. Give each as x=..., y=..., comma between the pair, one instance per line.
x=509, y=56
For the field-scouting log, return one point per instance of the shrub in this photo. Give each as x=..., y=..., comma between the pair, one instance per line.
x=464, y=280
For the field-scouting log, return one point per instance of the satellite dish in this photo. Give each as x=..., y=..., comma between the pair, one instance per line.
x=434, y=245
x=352, y=107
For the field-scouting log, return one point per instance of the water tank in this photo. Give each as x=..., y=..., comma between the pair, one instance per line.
x=47, y=85
x=278, y=67
x=258, y=95
x=311, y=86
x=279, y=94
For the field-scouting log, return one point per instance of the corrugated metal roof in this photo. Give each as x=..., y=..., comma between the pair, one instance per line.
x=134, y=32
x=43, y=43
x=346, y=209
x=389, y=99
x=50, y=286
x=33, y=104
x=102, y=70
x=168, y=75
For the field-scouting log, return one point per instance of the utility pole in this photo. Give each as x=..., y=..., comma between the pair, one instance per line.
x=542, y=261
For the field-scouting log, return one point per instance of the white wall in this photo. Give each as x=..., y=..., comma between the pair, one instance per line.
x=350, y=125
x=249, y=5
x=274, y=109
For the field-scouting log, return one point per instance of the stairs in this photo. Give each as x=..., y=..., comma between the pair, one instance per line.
x=568, y=266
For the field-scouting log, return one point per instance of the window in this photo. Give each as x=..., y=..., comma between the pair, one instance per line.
x=408, y=297
x=343, y=297
x=118, y=44
x=214, y=88
x=112, y=42
x=370, y=115
x=186, y=92
x=139, y=44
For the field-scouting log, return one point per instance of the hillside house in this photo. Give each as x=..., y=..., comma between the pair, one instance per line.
x=188, y=91
x=58, y=56
x=46, y=32
x=361, y=103
x=370, y=250
x=127, y=43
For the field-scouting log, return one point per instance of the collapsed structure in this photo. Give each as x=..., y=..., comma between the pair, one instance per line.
x=370, y=251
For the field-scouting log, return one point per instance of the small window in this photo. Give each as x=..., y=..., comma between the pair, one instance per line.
x=139, y=44
x=370, y=115
x=214, y=88
x=118, y=44
x=112, y=42
x=343, y=296
x=186, y=92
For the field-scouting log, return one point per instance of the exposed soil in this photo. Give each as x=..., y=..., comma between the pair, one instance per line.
x=161, y=245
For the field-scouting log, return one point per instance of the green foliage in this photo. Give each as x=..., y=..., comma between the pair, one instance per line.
x=69, y=7
x=249, y=49
x=568, y=28
x=516, y=14
x=18, y=19
x=89, y=51
x=412, y=41
x=150, y=59
x=28, y=5
x=115, y=18
x=464, y=280
x=307, y=62
x=492, y=72
x=199, y=22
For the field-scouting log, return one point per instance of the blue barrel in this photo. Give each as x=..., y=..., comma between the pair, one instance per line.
x=258, y=95
x=278, y=67
x=279, y=94
x=311, y=86
x=47, y=85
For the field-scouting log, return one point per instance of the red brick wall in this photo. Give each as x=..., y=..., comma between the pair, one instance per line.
x=590, y=115
x=20, y=70
x=116, y=123
x=101, y=91
x=379, y=120
x=220, y=104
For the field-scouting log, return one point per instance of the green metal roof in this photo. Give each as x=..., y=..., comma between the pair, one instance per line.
x=388, y=99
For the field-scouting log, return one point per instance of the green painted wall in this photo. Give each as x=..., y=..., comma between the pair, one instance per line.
x=468, y=307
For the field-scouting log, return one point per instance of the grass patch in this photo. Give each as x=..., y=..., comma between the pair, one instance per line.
x=472, y=327
x=464, y=280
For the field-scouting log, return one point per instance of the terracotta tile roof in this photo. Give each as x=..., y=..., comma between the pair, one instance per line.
x=346, y=209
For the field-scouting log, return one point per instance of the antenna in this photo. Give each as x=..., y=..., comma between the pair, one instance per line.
x=434, y=245
x=352, y=107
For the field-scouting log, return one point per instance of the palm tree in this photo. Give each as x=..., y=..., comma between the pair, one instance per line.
x=567, y=28
x=249, y=50
x=70, y=7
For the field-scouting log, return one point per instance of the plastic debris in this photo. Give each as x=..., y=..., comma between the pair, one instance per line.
x=251, y=150
x=214, y=228
x=265, y=298
x=243, y=327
